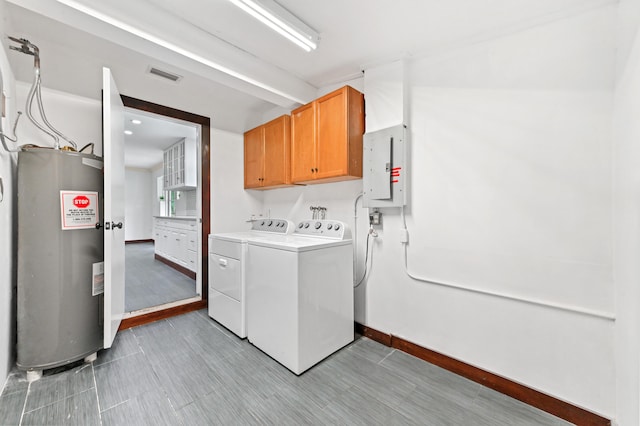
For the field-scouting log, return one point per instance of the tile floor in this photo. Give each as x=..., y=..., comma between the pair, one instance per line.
x=188, y=370
x=149, y=282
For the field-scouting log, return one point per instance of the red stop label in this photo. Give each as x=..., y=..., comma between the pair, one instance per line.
x=81, y=202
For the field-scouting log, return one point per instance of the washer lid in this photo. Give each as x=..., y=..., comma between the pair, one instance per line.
x=297, y=244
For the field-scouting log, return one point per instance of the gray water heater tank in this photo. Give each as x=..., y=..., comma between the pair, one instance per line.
x=60, y=301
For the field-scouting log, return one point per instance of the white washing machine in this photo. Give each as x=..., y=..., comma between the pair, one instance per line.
x=227, y=272
x=300, y=293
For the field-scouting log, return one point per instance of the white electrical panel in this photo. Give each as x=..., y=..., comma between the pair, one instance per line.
x=384, y=172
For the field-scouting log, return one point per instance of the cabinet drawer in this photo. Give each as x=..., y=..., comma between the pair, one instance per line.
x=179, y=224
x=162, y=223
x=187, y=225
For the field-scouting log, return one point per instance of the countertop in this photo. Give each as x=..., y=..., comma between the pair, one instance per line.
x=177, y=217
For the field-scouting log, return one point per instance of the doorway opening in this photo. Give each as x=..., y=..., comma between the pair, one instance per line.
x=171, y=201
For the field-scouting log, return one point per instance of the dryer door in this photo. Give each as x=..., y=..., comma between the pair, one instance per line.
x=226, y=291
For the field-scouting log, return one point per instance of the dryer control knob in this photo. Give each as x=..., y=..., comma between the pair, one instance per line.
x=306, y=225
x=301, y=225
x=337, y=227
x=270, y=223
x=318, y=225
x=329, y=226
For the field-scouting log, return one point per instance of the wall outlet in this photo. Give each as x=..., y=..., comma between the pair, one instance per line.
x=374, y=218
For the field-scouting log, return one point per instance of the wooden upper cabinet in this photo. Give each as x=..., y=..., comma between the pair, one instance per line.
x=267, y=153
x=277, y=152
x=303, y=149
x=326, y=138
x=253, y=158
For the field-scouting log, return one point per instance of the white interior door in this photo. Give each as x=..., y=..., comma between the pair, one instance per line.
x=113, y=151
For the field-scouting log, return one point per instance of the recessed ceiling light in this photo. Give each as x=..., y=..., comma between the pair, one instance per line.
x=128, y=132
x=134, y=121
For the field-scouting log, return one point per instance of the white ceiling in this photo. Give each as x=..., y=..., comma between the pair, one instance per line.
x=144, y=147
x=198, y=38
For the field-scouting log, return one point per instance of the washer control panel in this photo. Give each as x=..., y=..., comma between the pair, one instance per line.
x=279, y=226
x=323, y=228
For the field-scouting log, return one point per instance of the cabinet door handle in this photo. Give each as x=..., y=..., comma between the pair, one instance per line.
x=312, y=170
x=316, y=170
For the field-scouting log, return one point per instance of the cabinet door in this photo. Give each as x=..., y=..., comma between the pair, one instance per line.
x=181, y=249
x=176, y=165
x=332, y=143
x=277, y=151
x=156, y=233
x=192, y=240
x=162, y=244
x=303, y=148
x=180, y=173
x=253, y=158
x=165, y=170
x=170, y=169
x=174, y=245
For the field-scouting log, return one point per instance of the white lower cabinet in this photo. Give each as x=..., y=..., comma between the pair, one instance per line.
x=177, y=240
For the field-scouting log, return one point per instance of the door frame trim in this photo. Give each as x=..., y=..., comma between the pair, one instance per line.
x=205, y=213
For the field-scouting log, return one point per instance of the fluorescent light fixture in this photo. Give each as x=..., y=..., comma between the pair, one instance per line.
x=134, y=121
x=281, y=21
x=174, y=48
x=128, y=132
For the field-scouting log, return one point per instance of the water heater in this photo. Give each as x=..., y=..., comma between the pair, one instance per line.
x=60, y=255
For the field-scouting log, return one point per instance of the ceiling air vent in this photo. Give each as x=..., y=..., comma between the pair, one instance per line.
x=165, y=74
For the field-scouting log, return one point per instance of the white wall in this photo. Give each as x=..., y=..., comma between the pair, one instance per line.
x=510, y=192
x=627, y=26
x=7, y=218
x=138, y=209
x=231, y=205
x=78, y=118
x=156, y=172
x=186, y=205
x=626, y=214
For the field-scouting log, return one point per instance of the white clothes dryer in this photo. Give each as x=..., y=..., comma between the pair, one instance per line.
x=227, y=272
x=300, y=293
